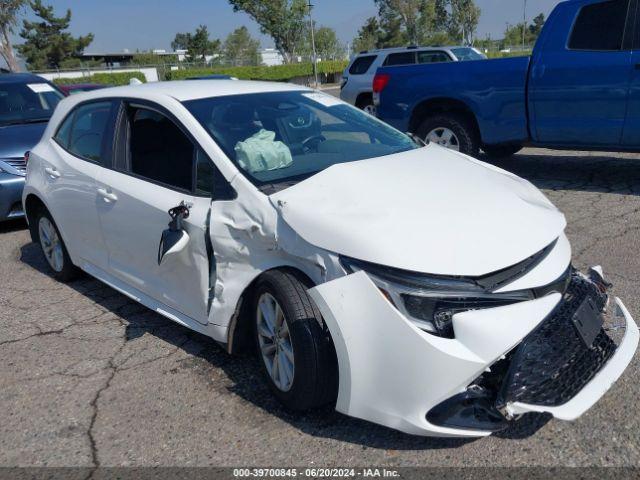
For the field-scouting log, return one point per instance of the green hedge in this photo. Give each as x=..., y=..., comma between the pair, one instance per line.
x=120, y=78
x=508, y=54
x=275, y=73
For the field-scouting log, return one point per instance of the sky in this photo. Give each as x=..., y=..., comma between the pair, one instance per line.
x=151, y=24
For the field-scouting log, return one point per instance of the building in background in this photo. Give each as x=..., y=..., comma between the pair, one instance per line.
x=271, y=57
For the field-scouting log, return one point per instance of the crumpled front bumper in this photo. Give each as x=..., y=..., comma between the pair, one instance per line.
x=392, y=373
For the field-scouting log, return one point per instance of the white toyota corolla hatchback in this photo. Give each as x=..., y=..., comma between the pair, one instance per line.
x=410, y=285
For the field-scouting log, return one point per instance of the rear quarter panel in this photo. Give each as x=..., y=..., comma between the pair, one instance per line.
x=494, y=90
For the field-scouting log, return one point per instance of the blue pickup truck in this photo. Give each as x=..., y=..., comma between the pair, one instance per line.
x=580, y=89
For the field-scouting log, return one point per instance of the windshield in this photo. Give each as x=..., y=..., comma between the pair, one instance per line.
x=281, y=138
x=27, y=103
x=466, y=54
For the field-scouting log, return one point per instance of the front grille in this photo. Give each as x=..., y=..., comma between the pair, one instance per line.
x=553, y=364
x=17, y=163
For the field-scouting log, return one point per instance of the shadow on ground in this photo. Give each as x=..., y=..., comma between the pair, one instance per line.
x=605, y=173
x=12, y=226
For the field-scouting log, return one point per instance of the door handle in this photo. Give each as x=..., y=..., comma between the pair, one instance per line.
x=52, y=172
x=107, y=195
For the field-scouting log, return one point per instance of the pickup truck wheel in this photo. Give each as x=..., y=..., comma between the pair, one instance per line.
x=451, y=130
x=501, y=151
x=293, y=345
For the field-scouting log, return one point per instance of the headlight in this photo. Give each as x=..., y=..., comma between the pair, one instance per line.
x=431, y=301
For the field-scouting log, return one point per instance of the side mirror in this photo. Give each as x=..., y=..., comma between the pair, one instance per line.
x=172, y=241
x=175, y=238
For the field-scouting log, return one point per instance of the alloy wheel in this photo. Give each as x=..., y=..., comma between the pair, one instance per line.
x=370, y=109
x=444, y=137
x=51, y=244
x=274, y=341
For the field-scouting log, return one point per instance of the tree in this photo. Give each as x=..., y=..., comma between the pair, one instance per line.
x=181, y=41
x=368, y=36
x=536, y=27
x=465, y=15
x=328, y=47
x=402, y=22
x=197, y=44
x=240, y=48
x=9, y=10
x=282, y=20
x=513, y=33
x=47, y=45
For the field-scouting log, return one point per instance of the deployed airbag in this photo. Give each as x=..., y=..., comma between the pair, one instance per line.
x=261, y=152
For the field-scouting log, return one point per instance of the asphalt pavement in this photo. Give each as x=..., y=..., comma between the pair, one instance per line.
x=90, y=378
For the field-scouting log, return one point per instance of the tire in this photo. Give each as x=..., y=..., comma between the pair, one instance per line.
x=501, y=151
x=314, y=380
x=465, y=131
x=365, y=102
x=59, y=263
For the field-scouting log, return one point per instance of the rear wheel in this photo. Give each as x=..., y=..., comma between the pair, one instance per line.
x=501, y=151
x=451, y=130
x=365, y=102
x=294, y=348
x=53, y=248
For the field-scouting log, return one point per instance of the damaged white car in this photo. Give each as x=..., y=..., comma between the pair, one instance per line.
x=412, y=286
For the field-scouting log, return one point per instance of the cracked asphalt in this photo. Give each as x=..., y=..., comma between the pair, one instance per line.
x=89, y=378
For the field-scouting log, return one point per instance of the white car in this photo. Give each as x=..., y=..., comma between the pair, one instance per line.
x=412, y=286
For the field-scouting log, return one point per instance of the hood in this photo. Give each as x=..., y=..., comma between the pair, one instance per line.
x=429, y=210
x=17, y=139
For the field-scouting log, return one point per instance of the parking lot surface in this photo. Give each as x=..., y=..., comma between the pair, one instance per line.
x=89, y=378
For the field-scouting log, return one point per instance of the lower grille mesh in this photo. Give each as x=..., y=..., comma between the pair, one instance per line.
x=553, y=364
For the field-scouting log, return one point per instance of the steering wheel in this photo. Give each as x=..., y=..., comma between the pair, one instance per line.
x=306, y=143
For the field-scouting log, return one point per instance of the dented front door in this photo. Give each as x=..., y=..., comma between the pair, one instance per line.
x=133, y=221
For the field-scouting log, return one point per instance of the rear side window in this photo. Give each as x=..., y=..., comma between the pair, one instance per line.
x=85, y=131
x=433, y=57
x=600, y=26
x=403, y=58
x=361, y=65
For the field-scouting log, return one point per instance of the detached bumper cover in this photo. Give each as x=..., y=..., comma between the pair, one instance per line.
x=393, y=373
x=601, y=381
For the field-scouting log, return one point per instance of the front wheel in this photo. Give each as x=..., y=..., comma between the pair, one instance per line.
x=294, y=348
x=451, y=130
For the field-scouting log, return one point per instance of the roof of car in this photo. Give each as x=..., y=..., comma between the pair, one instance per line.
x=409, y=48
x=183, y=90
x=20, y=77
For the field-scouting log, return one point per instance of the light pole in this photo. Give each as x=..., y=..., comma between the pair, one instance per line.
x=524, y=24
x=313, y=47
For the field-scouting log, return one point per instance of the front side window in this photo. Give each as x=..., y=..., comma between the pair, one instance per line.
x=22, y=103
x=433, y=57
x=159, y=150
x=600, y=26
x=280, y=138
x=361, y=65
